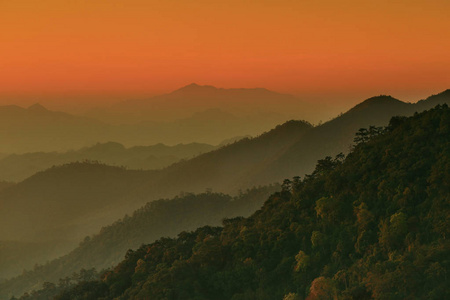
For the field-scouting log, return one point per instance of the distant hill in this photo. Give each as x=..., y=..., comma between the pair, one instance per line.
x=161, y=218
x=17, y=167
x=193, y=98
x=372, y=225
x=36, y=129
x=78, y=197
x=55, y=204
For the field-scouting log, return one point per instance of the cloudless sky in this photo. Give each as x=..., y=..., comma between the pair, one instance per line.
x=101, y=49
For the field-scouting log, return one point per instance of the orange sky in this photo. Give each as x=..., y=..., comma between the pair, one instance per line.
x=131, y=48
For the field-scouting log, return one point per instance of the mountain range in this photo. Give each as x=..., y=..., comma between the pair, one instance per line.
x=17, y=167
x=193, y=98
x=78, y=198
x=194, y=113
x=369, y=225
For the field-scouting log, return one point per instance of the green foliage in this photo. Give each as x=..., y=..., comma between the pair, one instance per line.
x=371, y=227
x=158, y=218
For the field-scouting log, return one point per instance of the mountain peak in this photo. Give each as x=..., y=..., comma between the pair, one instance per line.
x=196, y=88
x=377, y=100
x=37, y=107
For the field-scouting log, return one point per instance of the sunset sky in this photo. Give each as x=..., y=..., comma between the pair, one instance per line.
x=109, y=49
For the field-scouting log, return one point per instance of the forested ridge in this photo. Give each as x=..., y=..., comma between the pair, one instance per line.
x=164, y=217
x=370, y=226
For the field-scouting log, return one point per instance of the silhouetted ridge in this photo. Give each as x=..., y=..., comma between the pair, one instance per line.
x=108, y=147
x=37, y=108
x=194, y=88
x=378, y=101
x=433, y=100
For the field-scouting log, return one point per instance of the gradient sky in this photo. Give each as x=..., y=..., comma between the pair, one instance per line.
x=130, y=48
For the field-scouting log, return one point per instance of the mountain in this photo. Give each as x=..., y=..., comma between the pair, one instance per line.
x=370, y=226
x=65, y=203
x=17, y=167
x=337, y=135
x=285, y=150
x=28, y=129
x=225, y=169
x=155, y=219
x=193, y=98
x=92, y=195
x=36, y=129
x=75, y=199
x=59, y=202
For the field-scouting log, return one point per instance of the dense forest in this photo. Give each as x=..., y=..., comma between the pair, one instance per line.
x=154, y=220
x=370, y=225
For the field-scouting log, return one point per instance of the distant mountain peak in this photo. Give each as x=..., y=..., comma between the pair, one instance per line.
x=195, y=88
x=37, y=107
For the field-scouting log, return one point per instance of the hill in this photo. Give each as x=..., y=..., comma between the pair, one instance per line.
x=55, y=203
x=193, y=98
x=372, y=226
x=36, y=128
x=296, y=148
x=152, y=221
x=336, y=136
x=17, y=167
x=75, y=198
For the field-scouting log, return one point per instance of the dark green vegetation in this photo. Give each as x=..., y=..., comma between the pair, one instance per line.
x=154, y=220
x=17, y=167
x=371, y=226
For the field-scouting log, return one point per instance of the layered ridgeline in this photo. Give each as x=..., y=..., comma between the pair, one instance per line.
x=337, y=135
x=17, y=167
x=191, y=114
x=156, y=219
x=370, y=226
x=254, y=103
x=75, y=200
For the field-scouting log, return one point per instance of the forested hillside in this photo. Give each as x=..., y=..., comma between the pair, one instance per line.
x=161, y=218
x=75, y=200
x=372, y=225
x=336, y=135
